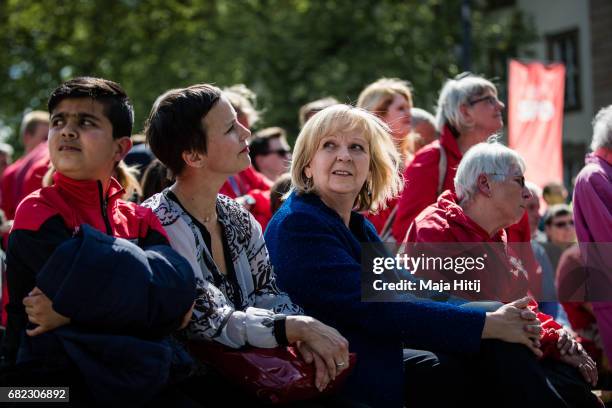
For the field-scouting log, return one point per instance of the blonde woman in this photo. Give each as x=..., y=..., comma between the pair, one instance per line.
x=345, y=161
x=391, y=100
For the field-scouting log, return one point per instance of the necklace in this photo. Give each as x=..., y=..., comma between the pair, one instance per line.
x=207, y=219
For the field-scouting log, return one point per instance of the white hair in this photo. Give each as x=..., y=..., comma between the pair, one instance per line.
x=602, y=129
x=455, y=93
x=421, y=115
x=491, y=158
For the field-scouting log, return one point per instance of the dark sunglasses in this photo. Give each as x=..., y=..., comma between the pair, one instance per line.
x=279, y=152
x=563, y=224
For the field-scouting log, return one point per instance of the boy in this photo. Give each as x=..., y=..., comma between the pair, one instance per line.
x=91, y=124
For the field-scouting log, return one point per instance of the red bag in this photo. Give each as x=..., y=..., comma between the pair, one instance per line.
x=277, y=375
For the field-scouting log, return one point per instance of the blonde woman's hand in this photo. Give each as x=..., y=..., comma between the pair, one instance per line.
x=514, y=323
x=321, y=344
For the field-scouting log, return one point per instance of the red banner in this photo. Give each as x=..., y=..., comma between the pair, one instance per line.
x=535, y=118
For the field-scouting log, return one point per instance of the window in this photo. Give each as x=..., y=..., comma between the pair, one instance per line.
x=563, y=47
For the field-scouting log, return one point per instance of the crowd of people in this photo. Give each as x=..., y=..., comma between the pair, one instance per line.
x=122, y=251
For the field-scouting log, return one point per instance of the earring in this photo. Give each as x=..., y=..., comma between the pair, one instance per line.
x=308, y=183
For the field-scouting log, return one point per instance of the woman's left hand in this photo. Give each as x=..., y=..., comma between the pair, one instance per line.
x=323, y=342
x=39, y=309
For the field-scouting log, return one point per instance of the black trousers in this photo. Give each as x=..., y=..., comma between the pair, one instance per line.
x=500, y=375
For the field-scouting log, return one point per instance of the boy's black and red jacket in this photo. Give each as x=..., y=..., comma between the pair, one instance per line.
x=50, y=216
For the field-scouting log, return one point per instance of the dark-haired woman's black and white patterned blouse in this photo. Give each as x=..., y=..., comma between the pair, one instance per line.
x=234, y=309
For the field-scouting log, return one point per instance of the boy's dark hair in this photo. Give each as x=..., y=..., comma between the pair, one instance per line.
x=175, y=123
x=117, y=106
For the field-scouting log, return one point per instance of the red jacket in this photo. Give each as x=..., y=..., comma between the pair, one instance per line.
x=23, y=177
x=51, y=215
x=421, y=180
x=253, y=183
x=445, y=221
x=421, y=189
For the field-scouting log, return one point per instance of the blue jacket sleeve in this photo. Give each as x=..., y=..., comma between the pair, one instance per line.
x=315, y=265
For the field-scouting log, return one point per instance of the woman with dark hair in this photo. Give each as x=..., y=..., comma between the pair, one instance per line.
x=195, y=133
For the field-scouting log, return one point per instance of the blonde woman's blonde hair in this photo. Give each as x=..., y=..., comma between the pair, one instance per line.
x=377, y=96
x=384, y=181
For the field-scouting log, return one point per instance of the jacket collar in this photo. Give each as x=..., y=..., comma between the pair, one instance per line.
x=86, y=193
x=449, y=142
x=357, y=223
x=454, y=214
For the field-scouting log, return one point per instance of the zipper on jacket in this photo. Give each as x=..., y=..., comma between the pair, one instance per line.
x=103, y=203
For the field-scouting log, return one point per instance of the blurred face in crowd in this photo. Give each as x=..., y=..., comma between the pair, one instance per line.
x=340, y=167
x=81, y=143
x=33, y=139
x=561, y=231
x=485, y=113
x=427, y=132
x=276, y=161
x=227, y=148
x=533, y=212
x=555, y=195
x=509, y=197
x=398, y=117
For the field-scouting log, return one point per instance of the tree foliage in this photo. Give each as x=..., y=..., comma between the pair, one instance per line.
x=288, y=51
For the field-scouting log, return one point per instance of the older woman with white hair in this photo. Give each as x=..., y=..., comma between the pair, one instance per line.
x=491, y=195
x=593, y=219
x=468, y=112
x=344, y=162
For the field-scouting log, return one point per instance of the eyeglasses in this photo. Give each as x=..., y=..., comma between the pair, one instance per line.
x=519, y=179
x=279, y=152
x=563, y=224
x=490, y=99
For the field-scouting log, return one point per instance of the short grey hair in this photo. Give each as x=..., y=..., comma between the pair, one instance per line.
x=489, y=158
x=421, y=115
x=455, y=93
x=602, y=129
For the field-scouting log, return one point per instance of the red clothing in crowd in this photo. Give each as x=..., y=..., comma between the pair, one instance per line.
x=24, y=177
x=445, y=222
x=253, y=183
x=51, y=215
x=421, y=180
x=380, y=219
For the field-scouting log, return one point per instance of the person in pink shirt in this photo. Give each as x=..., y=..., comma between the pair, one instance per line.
x=593, y=221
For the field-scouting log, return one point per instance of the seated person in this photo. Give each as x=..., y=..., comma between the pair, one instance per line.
x=491, y=195
x=345, y=161
x=195, y=133
x=91, y=121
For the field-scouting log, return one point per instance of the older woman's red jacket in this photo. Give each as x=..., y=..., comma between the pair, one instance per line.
x=445, y=222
